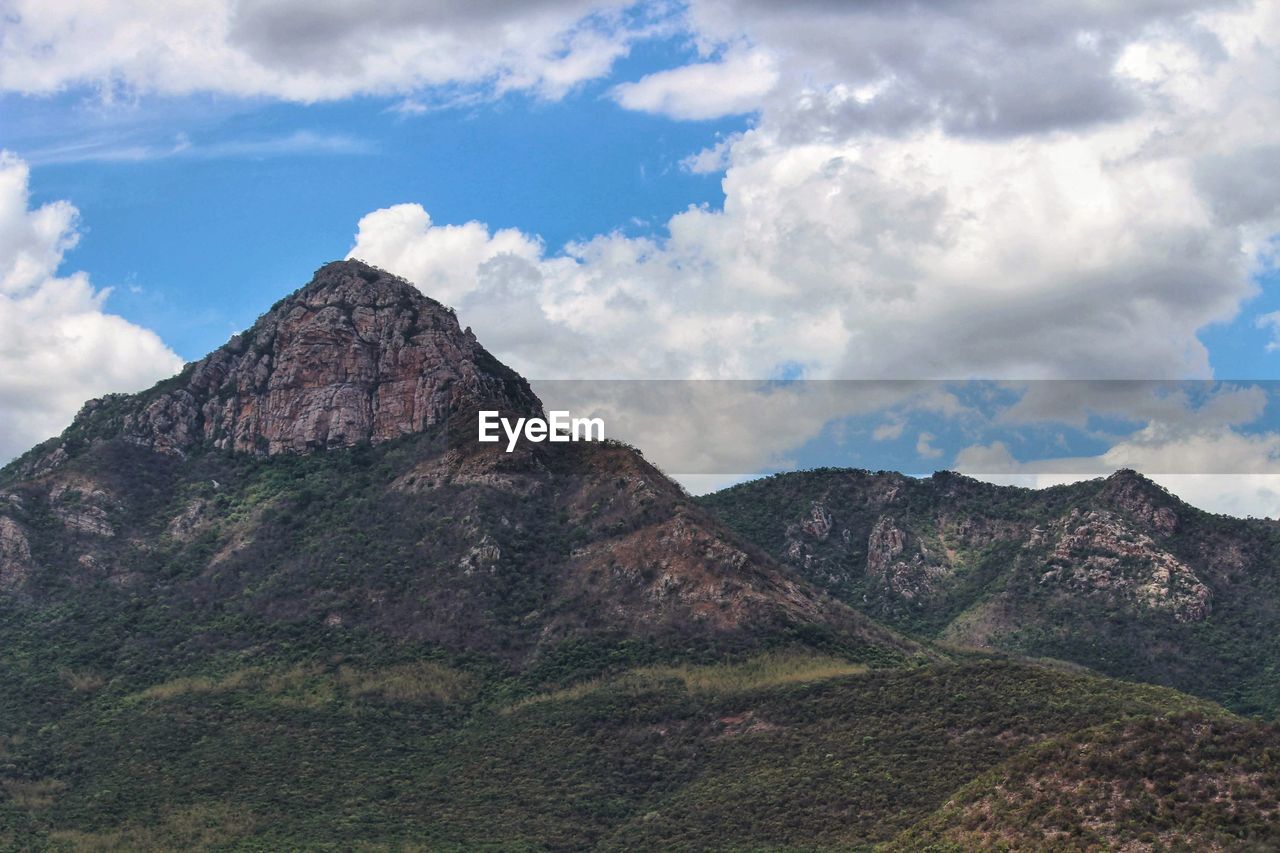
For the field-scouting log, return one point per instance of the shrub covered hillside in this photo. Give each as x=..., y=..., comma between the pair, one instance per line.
x=784, y=749
x=1114, y=574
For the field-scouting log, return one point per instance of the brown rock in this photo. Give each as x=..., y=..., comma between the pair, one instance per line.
x=355, y=356
x=1099, y=553
x=15, y=553
x=910, y=577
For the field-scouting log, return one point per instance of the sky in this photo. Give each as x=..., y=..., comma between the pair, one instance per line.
x=992, y=201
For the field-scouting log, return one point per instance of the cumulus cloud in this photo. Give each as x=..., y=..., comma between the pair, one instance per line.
x=995, y=190
x=1183, y=405
x=888, y=431
x=58, y=346
x=925, y=448
x=991, y=67
x=737, y=83
x=1081, y=244
x=445, y=261
x=309, y=50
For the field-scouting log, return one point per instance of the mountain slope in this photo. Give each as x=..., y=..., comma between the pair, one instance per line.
x=1115, y=574
x=318, y=477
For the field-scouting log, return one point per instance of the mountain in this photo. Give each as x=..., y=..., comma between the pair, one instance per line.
x=285, y=600
x=1114, y=574
x=322, y=468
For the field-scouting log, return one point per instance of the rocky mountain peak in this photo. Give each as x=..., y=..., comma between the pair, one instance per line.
x=357, y=355
x=1145, y=500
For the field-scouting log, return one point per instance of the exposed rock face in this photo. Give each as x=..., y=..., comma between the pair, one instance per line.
x=885, y=545
x=681, y=568
x=1099, y=553
x=1144, y=500
x=186, y=523
x=818, y=524
x=907, y=576
x=82, y=506
x=15, y=553
x=355, y=356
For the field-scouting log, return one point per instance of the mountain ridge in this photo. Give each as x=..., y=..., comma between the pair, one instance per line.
x=1114, y=573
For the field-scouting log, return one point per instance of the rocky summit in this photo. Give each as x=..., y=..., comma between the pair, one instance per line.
x=356, y=356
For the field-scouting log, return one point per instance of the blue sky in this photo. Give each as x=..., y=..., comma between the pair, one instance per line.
x=733, y=188
x=196, y=243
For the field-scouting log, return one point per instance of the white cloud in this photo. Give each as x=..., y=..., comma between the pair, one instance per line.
x=924, y=446
x=109, y=149
x=445, y=261
x=737, y=83
x=988, y=67
x=1217, y=470
x=58, y=346
x=711, y=160
x=890, y=431
x=1079, y=246
x=309, y=50
x=1271, y=321
x=1182, y=405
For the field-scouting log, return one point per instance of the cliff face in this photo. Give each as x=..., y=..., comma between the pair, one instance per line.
x=355, y=356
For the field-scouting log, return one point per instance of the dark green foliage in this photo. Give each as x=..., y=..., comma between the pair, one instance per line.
x=1185, y=782
x=624, y=764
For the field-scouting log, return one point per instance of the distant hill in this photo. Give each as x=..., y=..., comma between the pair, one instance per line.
x=285, y=600
x=1114, y=574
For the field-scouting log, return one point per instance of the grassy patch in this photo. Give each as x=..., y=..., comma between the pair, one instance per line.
x=411, y=682
x=32, y=795
x=315, y=686
x=196, y=828
x=767, y=670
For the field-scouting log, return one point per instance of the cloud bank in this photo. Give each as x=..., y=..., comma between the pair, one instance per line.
x=1089, y=246
x=312, y=50
x=992, y=190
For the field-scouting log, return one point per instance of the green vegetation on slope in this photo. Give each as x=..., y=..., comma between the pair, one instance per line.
x=1181, y=782
x=773, y=751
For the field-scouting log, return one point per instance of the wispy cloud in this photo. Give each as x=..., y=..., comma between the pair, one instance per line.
x=122, y=150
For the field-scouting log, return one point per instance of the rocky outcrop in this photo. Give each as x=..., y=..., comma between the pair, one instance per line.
x=187, y=522
x=905, y=568
x=15, y=553
x=1143, y=500
x=82, y=506
x=356, y=356
x=818, y=524
x=1099, y=553
x=681, y=568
